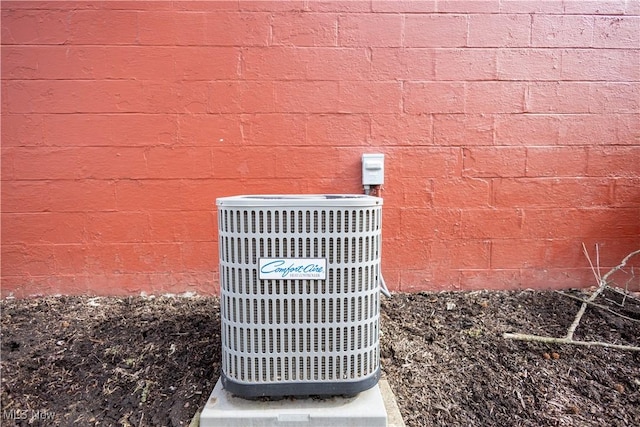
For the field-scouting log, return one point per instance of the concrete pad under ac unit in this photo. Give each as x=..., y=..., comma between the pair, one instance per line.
x=367, y=409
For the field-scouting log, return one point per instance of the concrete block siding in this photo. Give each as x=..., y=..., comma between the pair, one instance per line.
x=511, y=131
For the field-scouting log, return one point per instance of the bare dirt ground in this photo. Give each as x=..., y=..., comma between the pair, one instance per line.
x=153, y=361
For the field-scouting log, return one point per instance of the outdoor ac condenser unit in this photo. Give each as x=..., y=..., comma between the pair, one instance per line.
x=300, y=281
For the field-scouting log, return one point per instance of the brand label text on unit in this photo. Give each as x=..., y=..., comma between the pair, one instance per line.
x=292, y=268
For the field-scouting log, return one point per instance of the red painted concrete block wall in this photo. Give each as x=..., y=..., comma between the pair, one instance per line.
x=511, y=131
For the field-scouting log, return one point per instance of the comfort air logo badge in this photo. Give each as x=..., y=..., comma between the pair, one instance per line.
x=292, y=268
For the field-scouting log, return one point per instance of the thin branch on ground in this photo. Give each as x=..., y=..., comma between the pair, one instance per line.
x=625, y=292
x=600, y=306
x=603, y=283
x=553, y=340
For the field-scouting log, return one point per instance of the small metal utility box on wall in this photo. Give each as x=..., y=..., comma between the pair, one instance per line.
x=300, y=294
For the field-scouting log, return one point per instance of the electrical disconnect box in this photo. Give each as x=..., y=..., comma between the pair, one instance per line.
x=372, y=169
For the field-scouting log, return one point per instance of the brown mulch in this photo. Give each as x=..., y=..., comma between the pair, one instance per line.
x=152, y=361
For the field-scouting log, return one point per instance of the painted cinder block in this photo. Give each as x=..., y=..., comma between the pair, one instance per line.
x=556, y=161
x=464, y=64
x=406, y=6
x=611, y=65
x=617, y=32
x=264, y=129
x=469, y=6
x=527, y=129
x=168, y=194
x=495, y=97
x=464, y=130
x=271, y=5
x=462, y=193
x=369, y=97
x=613, y=162
x=499, y=162
x=215, y=130
x=458, y=254
x=178, y=28
x=588, y=129
x=310, y=29
x=594, y=7
x=33, y=27
x=442, y=223
x=579, y=223
x=26, y=261
x=499, y=30
x=561, y=253
x=293, y=63
x=240, y=96
x=180, y=226
x=347, y=6
x=120, y=227
x=102, y=27
x=501, y=223
x=58, y=196
x=331, y=129
x=434, y=97
x=551, y=192
x=532, y=6
x=435, y=30
x=231, y=161
x=370, y=30
x=402, y=129
x=105, y=96
x=413, y=254
x=196, y=255
x=116, y=130
x=77, y=163
x=338, y=64
x=530, y=64
x=19, y=130
x=614, y=97
x=512, y=253
x=402, y=64
x=44, y=227
x=510, y=130
x=562, y=31
x=178, y=162
x=306, y=96
x=224, y=28
x=625, y=192
x=428, y=162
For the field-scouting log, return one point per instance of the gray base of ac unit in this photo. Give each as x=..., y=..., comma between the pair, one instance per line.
x=301, y=389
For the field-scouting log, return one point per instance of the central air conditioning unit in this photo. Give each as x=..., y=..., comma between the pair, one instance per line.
x=300, y=294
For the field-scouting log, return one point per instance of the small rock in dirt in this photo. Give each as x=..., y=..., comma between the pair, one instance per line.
x=451, y=306
x=619, y=388
x=573, y=409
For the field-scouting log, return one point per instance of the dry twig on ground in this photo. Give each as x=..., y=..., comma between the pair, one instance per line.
x=604, y=282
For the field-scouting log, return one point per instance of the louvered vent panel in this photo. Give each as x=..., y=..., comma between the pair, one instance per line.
x=313, y=323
